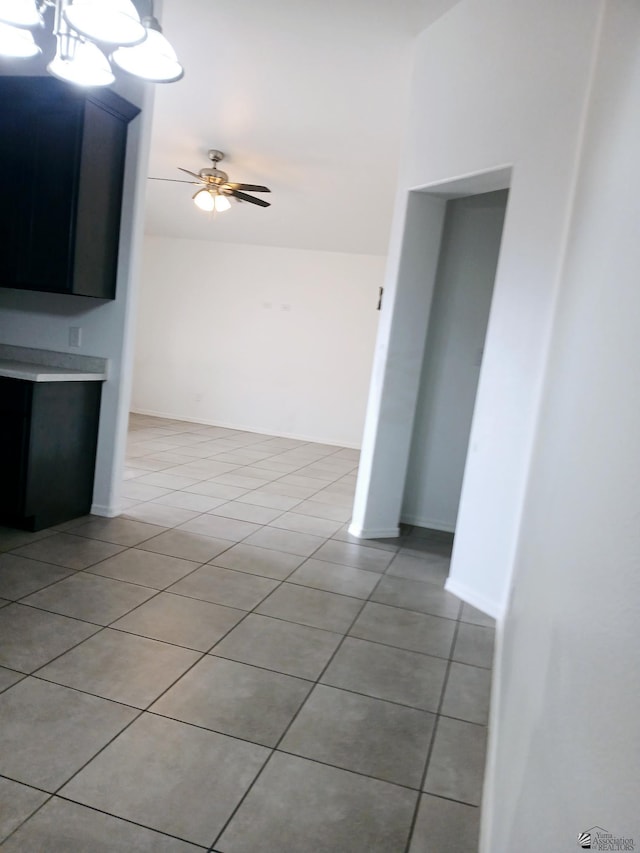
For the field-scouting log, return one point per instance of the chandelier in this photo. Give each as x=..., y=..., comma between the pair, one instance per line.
x=91, y=35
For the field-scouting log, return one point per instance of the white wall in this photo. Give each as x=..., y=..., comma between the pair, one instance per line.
x=42, y=320
x=498, y=83
x=452, y=358
x=567, y=704
x=259, y=338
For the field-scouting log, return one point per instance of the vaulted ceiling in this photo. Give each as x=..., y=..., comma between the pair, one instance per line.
x=306, y=96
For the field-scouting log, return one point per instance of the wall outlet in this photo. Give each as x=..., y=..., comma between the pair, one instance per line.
x=75, y=336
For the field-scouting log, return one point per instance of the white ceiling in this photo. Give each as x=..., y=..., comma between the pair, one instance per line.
x=306, y=96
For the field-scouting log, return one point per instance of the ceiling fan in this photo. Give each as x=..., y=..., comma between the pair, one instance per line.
x=216, y=188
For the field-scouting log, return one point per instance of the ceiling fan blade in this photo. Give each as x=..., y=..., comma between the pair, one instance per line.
x=193, y=174
x=242, y=197
x=254, y=188
x=172, y=180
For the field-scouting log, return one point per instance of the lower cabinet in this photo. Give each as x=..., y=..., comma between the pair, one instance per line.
x=48, y=438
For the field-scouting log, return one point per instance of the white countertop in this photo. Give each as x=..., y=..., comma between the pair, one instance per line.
x=46, y=373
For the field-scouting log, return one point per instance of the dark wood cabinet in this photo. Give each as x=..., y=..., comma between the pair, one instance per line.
x=48, y=439
x=62, y=155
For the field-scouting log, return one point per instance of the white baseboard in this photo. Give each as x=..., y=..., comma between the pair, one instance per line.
x=470, y=596
x=105, y=511
x=497, y=611
x=317, y=439
x=488, y=806
x=430, y=523
x=373, y=533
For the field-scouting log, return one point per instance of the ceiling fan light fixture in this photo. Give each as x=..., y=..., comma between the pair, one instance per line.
x=80, y=62
x=204, y=200
x=153, y=59
x=112, y=21
x=17, y=43
x=20, y=13
x=222, y=203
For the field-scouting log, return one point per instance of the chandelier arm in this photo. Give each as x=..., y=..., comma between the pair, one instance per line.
x=60, y=26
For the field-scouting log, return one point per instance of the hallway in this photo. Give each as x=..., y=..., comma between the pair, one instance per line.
x=224, y=668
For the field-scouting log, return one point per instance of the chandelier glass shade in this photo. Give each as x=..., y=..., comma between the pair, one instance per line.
x=153, y=59
x=85, y=31
x=80, y=62
x=20, y=13
x=17, y=43
x=113, y=21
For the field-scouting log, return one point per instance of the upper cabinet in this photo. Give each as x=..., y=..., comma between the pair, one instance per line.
x=62, y=154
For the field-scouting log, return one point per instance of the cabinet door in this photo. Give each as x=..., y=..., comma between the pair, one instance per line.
x=63, y=437
x=50, y=188
x=15, y=142
x=15, y=401
x=13, y=439
x=99, y=203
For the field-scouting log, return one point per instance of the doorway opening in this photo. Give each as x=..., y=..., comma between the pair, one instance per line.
x=457, y=327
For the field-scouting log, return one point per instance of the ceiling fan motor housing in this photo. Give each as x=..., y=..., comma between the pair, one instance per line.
x=214, y=176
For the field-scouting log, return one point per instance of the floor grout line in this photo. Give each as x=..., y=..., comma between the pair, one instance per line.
x=433, y=739
x=284, y=733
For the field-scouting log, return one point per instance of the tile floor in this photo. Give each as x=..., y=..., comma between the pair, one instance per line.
x=225, y=668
